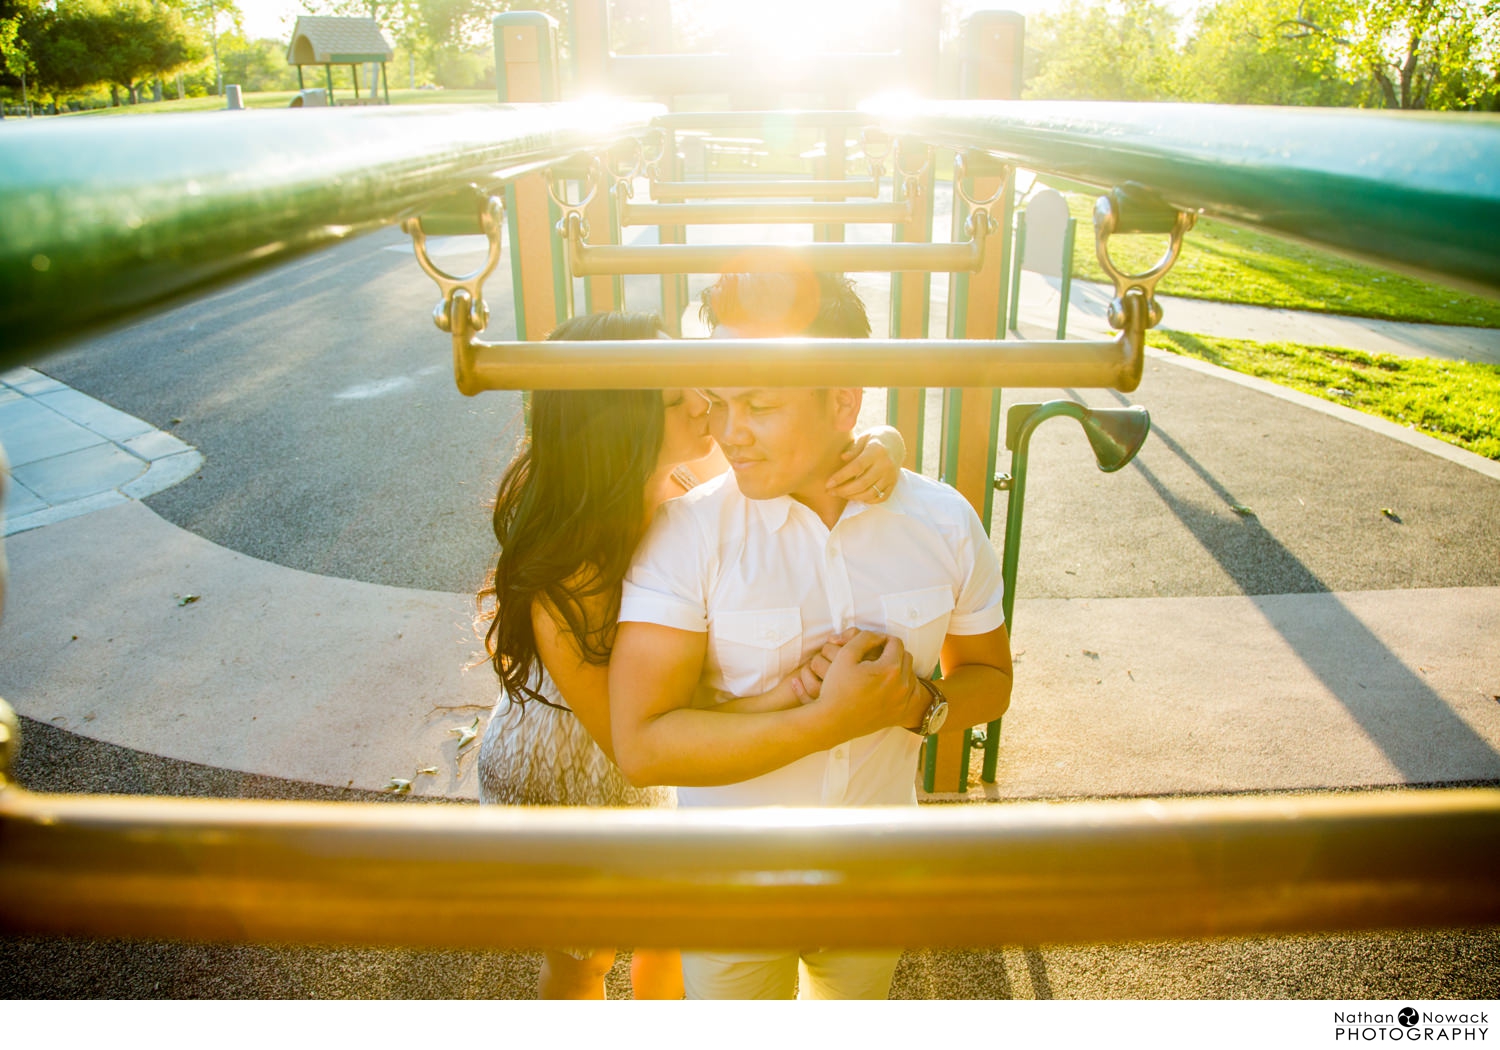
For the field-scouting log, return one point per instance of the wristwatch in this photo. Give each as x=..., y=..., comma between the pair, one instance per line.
x=937, y=711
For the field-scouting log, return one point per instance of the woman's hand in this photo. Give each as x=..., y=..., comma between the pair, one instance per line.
x=872, y=466
x=806, y=682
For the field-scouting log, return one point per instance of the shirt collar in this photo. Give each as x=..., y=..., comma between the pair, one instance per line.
x=775, y=512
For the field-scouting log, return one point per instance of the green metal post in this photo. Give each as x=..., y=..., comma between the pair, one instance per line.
x=1070, y=234
x=328, y=75
x=1015, y=271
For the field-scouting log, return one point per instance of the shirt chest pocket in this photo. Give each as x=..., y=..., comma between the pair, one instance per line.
x=756, y=648
x=920, y=620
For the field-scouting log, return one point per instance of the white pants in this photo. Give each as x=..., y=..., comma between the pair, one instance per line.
x=820, y=974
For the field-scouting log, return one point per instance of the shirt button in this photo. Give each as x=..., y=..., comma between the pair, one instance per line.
x=912, y=612
x=839, y=752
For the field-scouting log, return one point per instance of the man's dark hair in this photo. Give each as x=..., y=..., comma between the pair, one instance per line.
x=821, y=305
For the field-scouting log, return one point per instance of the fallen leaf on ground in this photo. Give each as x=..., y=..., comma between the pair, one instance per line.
x=398, y=786
x=429, y=770
x=1091, y=654
x=1391, y=514
x=185, y=599
x=466, y=734
x=1242, y=510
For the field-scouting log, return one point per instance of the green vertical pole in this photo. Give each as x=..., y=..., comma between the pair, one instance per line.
x=1015, y=272
x=1069, y=236
x=328, y=73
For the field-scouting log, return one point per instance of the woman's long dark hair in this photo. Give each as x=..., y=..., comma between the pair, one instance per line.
x=570, y=510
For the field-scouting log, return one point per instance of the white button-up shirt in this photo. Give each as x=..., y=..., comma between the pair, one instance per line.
x=770, y=583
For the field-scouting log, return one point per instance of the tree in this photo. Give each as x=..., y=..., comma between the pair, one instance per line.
x=1420, y=54
x=1238, y=55
x=136, y=40
x=1124, y=49
x=15, y=56
x=256, y=65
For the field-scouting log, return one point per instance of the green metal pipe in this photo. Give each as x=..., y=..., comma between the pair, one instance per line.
x=105, y=218
x=1416, y=192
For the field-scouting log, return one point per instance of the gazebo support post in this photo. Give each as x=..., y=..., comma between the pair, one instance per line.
x=328, y=72
x=354, y=73
x=300, y=85
x=385, y=80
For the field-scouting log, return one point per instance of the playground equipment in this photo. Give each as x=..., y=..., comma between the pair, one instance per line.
x=1045, y=235
x=77, y=252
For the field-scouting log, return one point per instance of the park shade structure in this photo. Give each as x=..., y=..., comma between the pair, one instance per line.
x=328, y=41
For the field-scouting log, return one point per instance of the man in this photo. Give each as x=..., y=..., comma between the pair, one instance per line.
x=738, y=582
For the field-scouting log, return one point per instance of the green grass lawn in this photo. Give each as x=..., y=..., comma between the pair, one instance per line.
x=281, y=99
x=1224, y=263
x=1457, y=401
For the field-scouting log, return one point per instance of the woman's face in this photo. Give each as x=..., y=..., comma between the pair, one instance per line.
x=684, y=435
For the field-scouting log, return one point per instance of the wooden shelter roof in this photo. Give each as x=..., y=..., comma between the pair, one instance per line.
x=325, y=39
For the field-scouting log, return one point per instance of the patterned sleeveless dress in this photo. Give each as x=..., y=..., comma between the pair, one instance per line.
x=535, y=755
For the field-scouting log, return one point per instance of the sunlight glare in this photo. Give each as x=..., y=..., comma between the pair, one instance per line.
x=791, y=27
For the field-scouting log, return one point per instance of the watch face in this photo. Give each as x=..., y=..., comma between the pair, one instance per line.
x=936, y=716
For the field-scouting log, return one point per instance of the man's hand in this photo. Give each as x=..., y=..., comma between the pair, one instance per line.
x=870, y=686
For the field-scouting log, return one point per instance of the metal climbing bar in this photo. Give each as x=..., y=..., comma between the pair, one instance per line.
x=731, y=212
x=183, y=203
x=652, y=363
x=725, y=189
x=680, y=74
x=1027, y=873
x=1418, y=192
x=942, y=257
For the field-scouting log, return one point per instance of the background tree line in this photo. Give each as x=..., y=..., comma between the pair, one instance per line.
x=1398, y=54
x=1392, y=54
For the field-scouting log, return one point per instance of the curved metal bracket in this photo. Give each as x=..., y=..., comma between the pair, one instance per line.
x=462, y=311
x=980, y=212
x=474, y=314
x=1106, y=222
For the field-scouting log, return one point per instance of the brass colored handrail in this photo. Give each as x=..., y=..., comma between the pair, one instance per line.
x=587, y=260
x=725, y=189
x=1025, y=873
x=649, y=363
x=727, y=212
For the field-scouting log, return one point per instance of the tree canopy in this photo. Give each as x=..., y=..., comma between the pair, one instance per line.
x=1397, y=54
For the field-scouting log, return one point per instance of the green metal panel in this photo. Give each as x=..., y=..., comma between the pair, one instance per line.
x=1418, y=192
x=105, y=218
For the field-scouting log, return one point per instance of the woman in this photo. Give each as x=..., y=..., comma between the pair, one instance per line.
x=569, y=513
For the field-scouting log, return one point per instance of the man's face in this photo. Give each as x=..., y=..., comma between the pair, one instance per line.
x=779, y=441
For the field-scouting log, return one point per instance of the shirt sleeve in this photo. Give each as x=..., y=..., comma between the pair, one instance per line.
x=667, y=581
x=981, y=601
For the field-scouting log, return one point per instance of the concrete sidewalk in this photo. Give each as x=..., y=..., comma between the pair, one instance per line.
x=71, y=454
